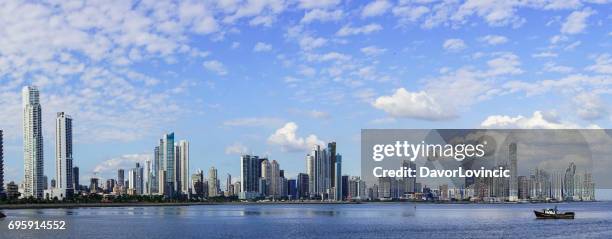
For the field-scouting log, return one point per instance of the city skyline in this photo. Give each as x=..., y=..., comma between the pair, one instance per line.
x=273, y=78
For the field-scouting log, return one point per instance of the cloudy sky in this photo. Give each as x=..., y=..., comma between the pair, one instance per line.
x=272, y=77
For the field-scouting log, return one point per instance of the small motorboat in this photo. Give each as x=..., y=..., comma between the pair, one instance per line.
x=553, y=214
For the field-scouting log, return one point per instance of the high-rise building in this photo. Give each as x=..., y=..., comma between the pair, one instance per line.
x=331, y=151
x=310, y=171
x=250, y=173
x=338, y=176
x=228, y=183
x=276, y=185
x=75, y=179
x=302, y=186
x=110, y=184
x=161, y=182
x=168, y=164
x=345, y=187
x=32, y=143
x=513, y=195
x=183, y=159
x=292, y=189
x=12, y=190
x=45, y=182
x=1, y=166
x=147, y=178
x=197, y=180
x=93, y=185
x=135, y=177
x=121, y=177
x=213, y=182
x=318, y=164
x=155, y=171
x=63, y=154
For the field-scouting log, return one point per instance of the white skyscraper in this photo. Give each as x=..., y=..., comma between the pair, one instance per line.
x=184, y=165
x=275, y=184
x=63, y=153
x=147, y=177
x=213, y=182
x=513, y=197
x=32, y=143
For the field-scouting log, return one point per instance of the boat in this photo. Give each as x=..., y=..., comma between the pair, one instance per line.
x=2, y=215
x=553, y=214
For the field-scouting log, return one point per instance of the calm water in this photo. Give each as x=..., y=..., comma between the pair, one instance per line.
x=593, y=220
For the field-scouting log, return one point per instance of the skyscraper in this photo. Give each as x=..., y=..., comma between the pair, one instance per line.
x=63, y=154
x=266, y=177
x=197, y=180
x=167, y=163
x=32, y=143
x=213, y=182
x=121, y=177
x=513, y=197
x=75, y=179
x=136, y=179
x=155, y=171
x=275, y=180
x=250, y=172
x=147, y=178
x=228, y=183
x=183, y=158
x=318, y=164
x=331, y=151
x=338, y=176
x=1, y=165
x=302, y=186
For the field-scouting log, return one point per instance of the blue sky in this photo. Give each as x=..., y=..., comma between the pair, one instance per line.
x=273, y=77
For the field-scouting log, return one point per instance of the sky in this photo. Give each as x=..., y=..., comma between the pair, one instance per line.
x=273, y=77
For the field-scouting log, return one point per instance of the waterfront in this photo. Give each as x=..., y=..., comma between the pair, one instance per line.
x=370, y=220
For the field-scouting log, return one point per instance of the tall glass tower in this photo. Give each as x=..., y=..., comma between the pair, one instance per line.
x=32, y=143
x=63, y=153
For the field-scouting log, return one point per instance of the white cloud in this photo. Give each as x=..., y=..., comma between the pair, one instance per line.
x=589, y=106
x=308, y=43
x=504, y=63
x=236, y=148
x=553, y=67
x=445, y=96
x=495, y=13
x=108, y=168
x=256, y=9
x=215, y=66
x=309, y=4
x=454, y=44
x=544, y=54
x=373, y=50
x=254, y=122
x=315, y=114
x=538, y=120
x=576, y=21
x=376, y=8
x=406, y=104
x=348, y=30
x=603, y=64
x=287, y=138
x=493, y=39
x=262, y=47
x=409, y=14
x=322, y=15
x=266, y=20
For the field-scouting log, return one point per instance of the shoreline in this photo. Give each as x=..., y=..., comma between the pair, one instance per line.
x=182, y=204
